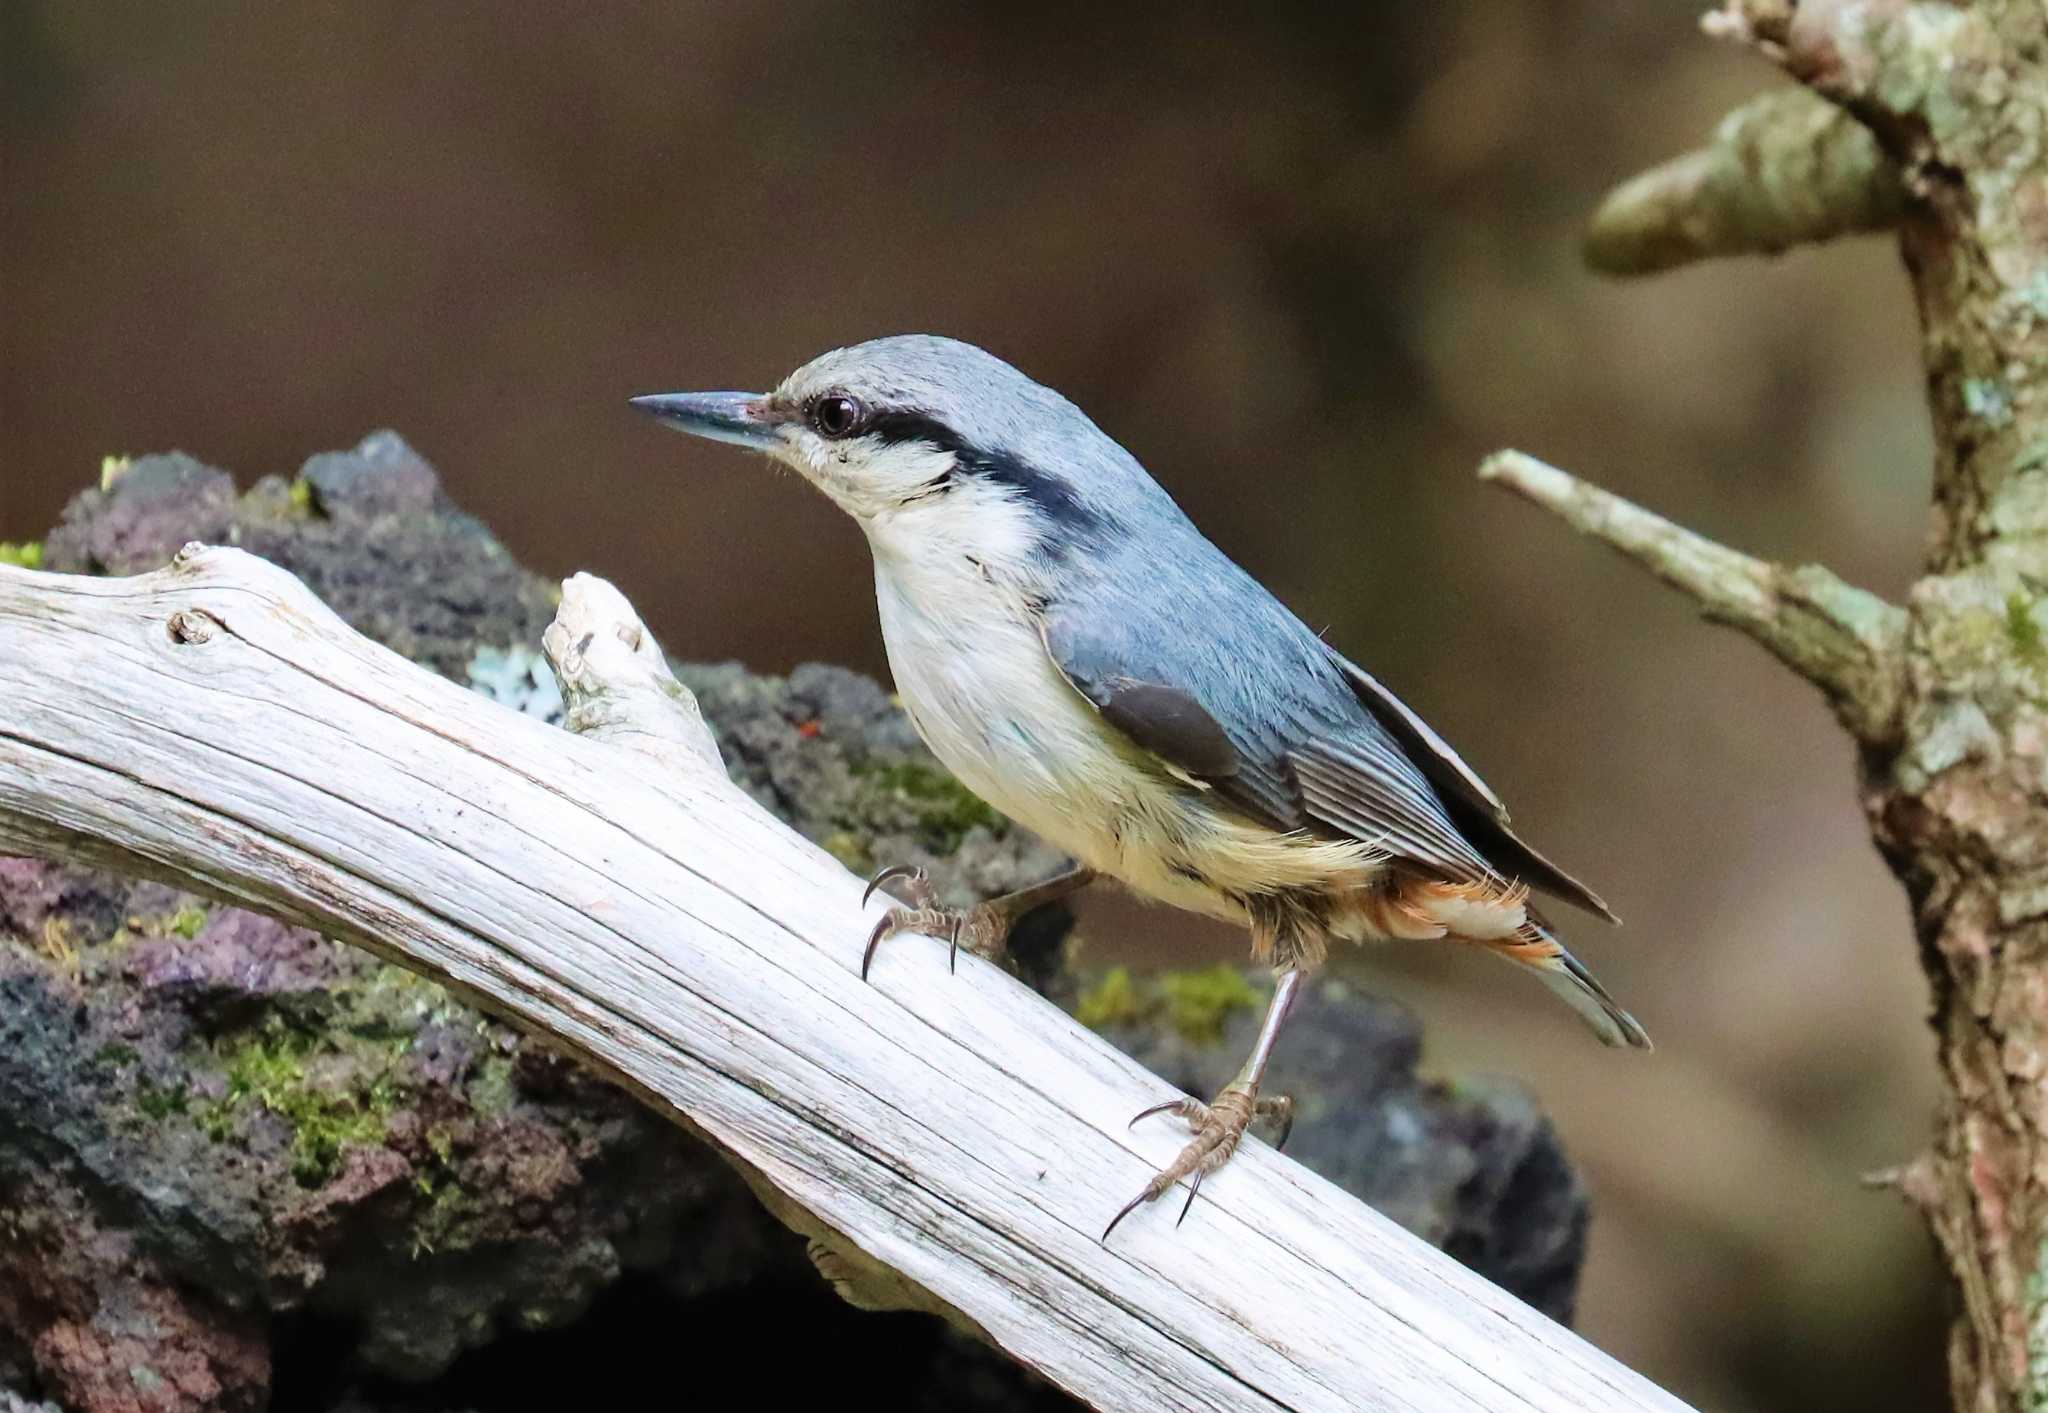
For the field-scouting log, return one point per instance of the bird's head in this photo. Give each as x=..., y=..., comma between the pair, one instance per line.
x=926, y=439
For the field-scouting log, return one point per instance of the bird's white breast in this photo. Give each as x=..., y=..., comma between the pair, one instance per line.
x=982, y=692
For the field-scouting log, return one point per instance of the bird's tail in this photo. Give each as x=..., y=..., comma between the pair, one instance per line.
x=1537, y=948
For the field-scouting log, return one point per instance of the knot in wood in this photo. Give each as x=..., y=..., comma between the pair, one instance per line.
x=193, y=626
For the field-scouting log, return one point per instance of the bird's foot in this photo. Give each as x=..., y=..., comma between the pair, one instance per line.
x=1218, y=1126
x=982, y=929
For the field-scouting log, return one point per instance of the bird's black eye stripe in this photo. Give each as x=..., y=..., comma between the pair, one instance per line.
x=897, y=426
x=834, y=415
x=1051, y=494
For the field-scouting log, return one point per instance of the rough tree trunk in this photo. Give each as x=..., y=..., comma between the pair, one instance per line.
x=1947, y=698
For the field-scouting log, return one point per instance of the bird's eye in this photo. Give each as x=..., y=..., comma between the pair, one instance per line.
x=835, y=415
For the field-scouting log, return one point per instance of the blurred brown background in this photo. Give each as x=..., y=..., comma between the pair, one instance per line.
x=1309, y=267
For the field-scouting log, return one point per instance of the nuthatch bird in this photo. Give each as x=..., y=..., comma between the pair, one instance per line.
x=1072, y=648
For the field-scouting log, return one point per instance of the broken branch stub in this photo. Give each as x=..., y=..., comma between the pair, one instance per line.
x=1788, y=168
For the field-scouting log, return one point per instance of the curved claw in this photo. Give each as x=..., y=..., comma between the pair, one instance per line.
x=867, y=958
x=1193, y=1188
x=1155, y=1109
x=1286, y=1125
x=1129, y=1207
x=892, y=871
x=953, y=951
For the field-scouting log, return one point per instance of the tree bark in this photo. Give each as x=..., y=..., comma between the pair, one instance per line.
x=1947, y=696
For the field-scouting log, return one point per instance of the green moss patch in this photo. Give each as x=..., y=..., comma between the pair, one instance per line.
x=492, y=1089
x=2023, y=630
x=276, y=1070
x=850, y=849
x=448, y=1220
x=22, y=556
x=1197, y=1004
x=944, y=809
x=158, y=1102
x=1113, y=1000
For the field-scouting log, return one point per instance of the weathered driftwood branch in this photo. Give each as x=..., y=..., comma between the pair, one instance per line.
x=1849, y=643
x=1788, y=168
x=948, y=1141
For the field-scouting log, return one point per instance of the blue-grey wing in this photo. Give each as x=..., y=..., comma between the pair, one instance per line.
x=1141, y=696
x=1292, y=734
x=1268, y=722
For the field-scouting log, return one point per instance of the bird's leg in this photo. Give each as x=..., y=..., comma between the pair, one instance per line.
x=1222, y=1122
x=982, y=929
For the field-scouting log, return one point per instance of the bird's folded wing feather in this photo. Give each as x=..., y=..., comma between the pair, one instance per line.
x=1275, y=729
x=1444, y=766
x=1292, y=734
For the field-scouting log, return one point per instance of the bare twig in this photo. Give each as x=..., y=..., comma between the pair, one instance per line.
x=1845, y=641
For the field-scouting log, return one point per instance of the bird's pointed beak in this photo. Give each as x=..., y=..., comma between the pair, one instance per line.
x=743, y=419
